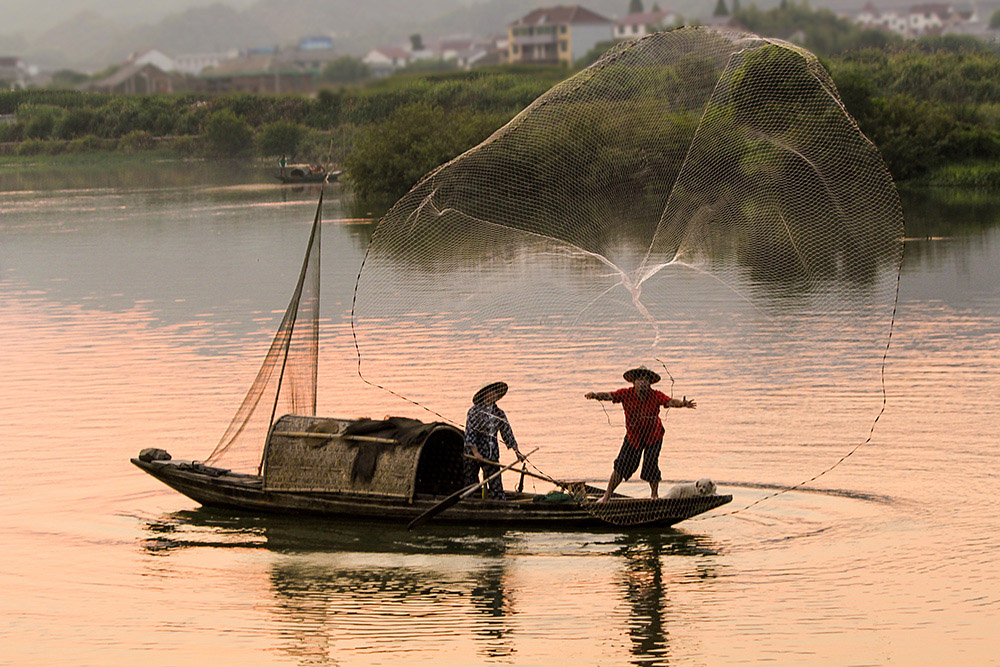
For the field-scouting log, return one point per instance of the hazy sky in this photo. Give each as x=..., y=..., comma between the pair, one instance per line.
x=32, y=16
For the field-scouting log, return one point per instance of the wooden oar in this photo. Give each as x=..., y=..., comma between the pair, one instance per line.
x=458, y=495
x=545, y=478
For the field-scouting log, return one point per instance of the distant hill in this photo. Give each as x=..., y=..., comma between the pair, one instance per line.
x=78, y=38
x=295, y=18
x=32, y=17
x=88, y=41
x=202, y=29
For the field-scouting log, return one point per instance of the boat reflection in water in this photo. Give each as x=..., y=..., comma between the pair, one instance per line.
x=339, y=588
x=642, y=584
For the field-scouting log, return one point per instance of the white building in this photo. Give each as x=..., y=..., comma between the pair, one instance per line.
x=384, y=60
x=13, y=73
x=158, y=59
x=923, y=19
x=635, y=26
x=470, y=51
x=928, y=18
x=464, y=51
x=868, y=15
x=897, y=22
x=194, y=63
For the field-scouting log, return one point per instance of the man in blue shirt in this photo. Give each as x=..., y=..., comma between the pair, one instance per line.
x=483, y=422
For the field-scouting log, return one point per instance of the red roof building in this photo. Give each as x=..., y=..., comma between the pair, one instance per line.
x=553, y=35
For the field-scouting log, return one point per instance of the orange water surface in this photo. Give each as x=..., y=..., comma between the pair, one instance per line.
x=136, y=316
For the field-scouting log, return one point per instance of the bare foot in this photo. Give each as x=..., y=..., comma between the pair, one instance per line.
x=603, y=499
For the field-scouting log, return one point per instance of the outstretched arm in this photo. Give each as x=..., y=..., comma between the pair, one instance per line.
x=682, y=403
x=599, y=395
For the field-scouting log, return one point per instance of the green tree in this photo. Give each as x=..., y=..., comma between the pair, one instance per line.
x=281, y=137
x=227, y=135
x=106, y=72
x=67, y=78
x=392, y=156
x=594, y=54
x=428, y=66
x=136, y=141
x=11, y=132
x=857, y=93
x=635, y=7
x=345, y=69
x=327, y=108
x=76, y=122
x=825, y=32
x=416, y=42
x=953, y=44
x=721, y=9
x=736, y=7
x=995, y=20
x=908, y=137
x=39, y=119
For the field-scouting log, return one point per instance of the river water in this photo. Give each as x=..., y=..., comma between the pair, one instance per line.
x=135, y=308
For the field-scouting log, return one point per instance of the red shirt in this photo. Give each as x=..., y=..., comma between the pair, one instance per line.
x=642, y=416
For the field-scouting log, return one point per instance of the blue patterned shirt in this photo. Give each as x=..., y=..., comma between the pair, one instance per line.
x=481, y=426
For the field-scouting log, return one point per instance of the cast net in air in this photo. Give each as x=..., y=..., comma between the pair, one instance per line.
x=286, y=381
x=697, y=198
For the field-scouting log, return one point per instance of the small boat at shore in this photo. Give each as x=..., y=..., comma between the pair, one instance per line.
x=307, y=174
x=392, y=470
x=395, y=470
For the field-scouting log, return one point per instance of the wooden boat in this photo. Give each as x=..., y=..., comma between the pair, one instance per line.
x=388, y=470
x=216, y=487
x=308, y=175
x=394, y=471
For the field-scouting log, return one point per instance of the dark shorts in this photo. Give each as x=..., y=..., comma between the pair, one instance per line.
x=628, y=461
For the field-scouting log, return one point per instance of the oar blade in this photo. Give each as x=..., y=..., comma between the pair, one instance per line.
x=461, y=493
x=441, y=506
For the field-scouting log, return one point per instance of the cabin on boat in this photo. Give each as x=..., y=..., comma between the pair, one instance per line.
x=396, y=457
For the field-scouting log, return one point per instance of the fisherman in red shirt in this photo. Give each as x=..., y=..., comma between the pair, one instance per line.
x=643, y=428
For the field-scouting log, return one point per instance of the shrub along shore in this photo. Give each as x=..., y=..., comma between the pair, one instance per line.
x=932, y=107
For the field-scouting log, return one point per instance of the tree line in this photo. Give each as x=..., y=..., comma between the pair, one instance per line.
x=241, y=125
x=932, y=107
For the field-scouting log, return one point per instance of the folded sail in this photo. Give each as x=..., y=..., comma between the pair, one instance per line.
x=286, y=382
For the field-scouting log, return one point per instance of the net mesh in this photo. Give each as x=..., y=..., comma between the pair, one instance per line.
x=286, y=381
x=696, y=197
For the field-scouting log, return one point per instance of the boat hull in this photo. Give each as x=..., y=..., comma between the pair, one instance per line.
x=213, y=488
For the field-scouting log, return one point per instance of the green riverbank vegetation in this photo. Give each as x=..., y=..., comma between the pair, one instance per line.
x=932, y=106
x=49, y=122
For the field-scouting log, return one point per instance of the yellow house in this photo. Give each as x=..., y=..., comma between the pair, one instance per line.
x=553, y=35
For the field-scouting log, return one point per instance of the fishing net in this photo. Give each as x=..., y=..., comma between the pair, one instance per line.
x=697, y=201
x=286, y=381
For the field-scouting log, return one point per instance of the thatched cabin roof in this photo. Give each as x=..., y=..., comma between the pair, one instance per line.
x=396, y=457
